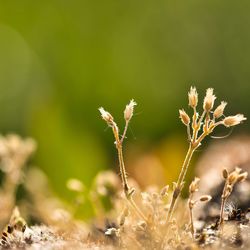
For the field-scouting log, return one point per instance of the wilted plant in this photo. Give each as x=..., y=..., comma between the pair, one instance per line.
x=128, y=114
x=194, y=187
x=207, y=121
x=230, y=180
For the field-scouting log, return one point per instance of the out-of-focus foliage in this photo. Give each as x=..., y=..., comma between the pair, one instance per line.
x=61, y=60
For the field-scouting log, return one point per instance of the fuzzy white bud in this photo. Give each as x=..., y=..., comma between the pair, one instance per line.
x=193, y=187
x=106, y=116
x=242, y=177
x=129, y=110
x=209, y=100
x=184, y=117
x=192, y=97
x=233, y=120
x=220, y=110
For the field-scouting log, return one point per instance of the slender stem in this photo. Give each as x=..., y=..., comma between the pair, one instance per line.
x=179, y=184
x=189, y=133
x=195, y=143
x=207, y=119
x=198, y=141
x=122, y=169
x=222, y=208
x=194, y=123
x=223, y=202
x=185, y=165
x=198, y=126
x=126, y=189
x=125, y=131
x=191, y=216
x=136, y=208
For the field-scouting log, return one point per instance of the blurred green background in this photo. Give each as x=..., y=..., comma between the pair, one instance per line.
x=61, y=60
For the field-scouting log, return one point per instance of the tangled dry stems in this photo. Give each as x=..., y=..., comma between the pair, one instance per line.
x=140, y=222
x=206, y=123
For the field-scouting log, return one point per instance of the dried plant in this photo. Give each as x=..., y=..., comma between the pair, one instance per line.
x=207, y=121
x=230, y=180
x=128, y=114
x=194, y=187
x=115, y=226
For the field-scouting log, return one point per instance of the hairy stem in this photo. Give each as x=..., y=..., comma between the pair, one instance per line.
x=126, y=189
x=122, y=170
x=124, y=132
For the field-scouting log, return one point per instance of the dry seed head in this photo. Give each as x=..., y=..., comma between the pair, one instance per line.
x=242, y=177
x=232, y=178
x=209, y=100
x=184, y=117
x=129, y=110
x=224, y=173
x=193, y=187
x=220, y=110
x=205, y=198
x=233, y=120
x=106, y=116
x=192, y=97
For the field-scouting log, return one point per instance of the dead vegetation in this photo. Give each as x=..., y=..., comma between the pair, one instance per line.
x=154, y=218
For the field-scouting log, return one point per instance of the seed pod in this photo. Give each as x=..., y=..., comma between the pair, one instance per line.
x=205, y=198
x=193, y=187
x=225, y=173
x=164, y=191
x=242, y=177
x=106, y=116
x=192, y=97
x=209, y=100
x=184, y=117
x=232, y=178
x=233, y=120
x=129, y=110
x=219, y=110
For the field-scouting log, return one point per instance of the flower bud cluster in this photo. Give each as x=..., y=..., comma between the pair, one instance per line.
x=208, y=120
x=231, y=179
